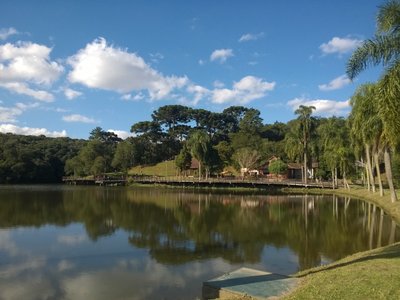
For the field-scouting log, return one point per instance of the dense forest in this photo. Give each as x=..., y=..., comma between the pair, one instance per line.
x=32, y=159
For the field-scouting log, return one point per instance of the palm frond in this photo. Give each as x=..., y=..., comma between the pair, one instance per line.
x=388, y=18
x=381, y=49
x=389, y=102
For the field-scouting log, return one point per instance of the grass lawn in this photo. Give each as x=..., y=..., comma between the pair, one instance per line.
x=374, y=274
x=165, y=168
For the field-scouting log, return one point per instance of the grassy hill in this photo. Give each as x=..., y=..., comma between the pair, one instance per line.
x=165, y=168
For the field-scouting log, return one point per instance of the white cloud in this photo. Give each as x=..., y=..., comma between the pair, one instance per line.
x=25, y=64
x=121, y=133
x=130, y=97
x=105, y=67
x=10, y=128
x=71, y=94
x=322, y=106
x=6, y=32
x=23, y=89
x=221, y=55
x=335, y=84
x=9, y=114
x=247, y=89
x=201, y=62
x=156, y=57
x=251, y=37
x=218, y=84
x=340, y=45
x=29, y=62
x=78, y=118
x=198, y=92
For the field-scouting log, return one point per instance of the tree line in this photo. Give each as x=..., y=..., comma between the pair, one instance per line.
x=344, y=148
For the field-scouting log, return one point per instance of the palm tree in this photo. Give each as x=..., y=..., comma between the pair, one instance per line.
x=304, y=117
x=366, y=125
x=384, y=49
x=369, y=126
x=333, y=135
x=199, y=144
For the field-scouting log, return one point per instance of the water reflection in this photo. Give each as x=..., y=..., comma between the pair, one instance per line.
x=110, y=243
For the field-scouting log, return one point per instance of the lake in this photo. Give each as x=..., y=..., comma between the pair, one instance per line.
x=79, y=242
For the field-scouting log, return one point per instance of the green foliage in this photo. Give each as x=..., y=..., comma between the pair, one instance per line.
x=247, y=158
x=183, y=159
x=225, y=152
x=275, y=132
x=199, y=144
x=34, y=159
x=249, y=133
x=383, y=48
x=124, y=156
x=278, y=167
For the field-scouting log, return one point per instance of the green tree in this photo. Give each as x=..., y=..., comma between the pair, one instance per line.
x=99, y=166
x=334, y=143
x=124, y=156
x=104, y=136
x=249, y=133
x=384, y=49
x=199, y=144
x=247, y=159
x=74, y=166
x=184, y=159
x=306, y=127
x=368, y=127
x=278, y=167
x=225, y=152
x=171, y=115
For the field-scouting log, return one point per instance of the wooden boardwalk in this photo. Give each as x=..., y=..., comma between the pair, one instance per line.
x=260, y=182
x=102, y=181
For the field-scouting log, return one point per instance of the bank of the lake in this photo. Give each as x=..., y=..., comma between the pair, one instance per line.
x=373, y=274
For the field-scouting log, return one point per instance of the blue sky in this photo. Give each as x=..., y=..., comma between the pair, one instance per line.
x=69, y=66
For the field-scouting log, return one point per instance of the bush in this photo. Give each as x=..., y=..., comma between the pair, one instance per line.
x=278, y=167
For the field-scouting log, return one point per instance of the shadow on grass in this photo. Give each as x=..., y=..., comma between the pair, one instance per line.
x=389, y=252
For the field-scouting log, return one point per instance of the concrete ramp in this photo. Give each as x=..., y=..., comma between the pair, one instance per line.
x=248, y=282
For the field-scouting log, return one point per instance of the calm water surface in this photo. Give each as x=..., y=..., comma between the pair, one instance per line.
x=63, y=242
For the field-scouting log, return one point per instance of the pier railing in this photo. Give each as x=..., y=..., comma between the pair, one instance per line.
x=254, y=181
x=196, y=181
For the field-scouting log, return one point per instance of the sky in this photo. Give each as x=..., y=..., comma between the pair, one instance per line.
x=67, y=67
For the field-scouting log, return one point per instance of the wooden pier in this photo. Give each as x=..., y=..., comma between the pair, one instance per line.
x=260, y=182
x=101, y=181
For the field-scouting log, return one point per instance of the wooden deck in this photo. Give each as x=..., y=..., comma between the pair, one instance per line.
x=260, y=182
x=102, y=181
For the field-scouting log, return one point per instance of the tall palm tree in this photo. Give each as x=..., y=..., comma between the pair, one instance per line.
x=366, y=126
x=384, y=49
x=199, y=143
x=305, y=119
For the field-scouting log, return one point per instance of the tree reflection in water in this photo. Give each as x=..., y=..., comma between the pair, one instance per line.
x=182, y=226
